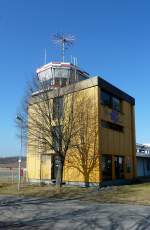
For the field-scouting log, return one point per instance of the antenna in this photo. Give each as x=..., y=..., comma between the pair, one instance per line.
x=75, y=67
x=76, y=63
x=64, y=41
x=71, y=58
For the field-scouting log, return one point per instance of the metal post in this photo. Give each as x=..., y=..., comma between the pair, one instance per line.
x=19, y=177
x=63, y=49
x=19, y=160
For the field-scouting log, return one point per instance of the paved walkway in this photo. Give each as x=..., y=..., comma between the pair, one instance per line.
x=37, y=213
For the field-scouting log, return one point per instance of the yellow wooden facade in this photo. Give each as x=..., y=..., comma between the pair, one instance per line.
x=109, y=142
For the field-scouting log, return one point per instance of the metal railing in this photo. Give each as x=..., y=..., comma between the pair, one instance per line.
x=10, y=175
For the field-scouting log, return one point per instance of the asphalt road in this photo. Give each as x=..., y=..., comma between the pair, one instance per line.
x=37, y=213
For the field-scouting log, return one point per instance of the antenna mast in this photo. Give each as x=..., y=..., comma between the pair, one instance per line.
x=45, y=56
x=64, y=41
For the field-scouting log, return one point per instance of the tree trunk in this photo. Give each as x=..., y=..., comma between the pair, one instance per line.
x=86, y=180
x=60, y=171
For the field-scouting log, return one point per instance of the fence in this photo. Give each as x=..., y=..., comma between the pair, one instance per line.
x=10, y=175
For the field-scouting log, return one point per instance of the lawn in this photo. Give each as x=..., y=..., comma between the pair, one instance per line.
x=135, y=194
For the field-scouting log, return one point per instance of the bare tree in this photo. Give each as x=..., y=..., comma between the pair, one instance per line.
x=84, y=156
x=48, y=121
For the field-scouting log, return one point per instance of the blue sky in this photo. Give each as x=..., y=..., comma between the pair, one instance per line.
x=112, y=40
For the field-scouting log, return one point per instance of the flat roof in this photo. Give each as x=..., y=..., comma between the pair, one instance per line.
x=105, y=85
x=143, y=155
x=91, y=82
x=67, y=65
x=115, y=91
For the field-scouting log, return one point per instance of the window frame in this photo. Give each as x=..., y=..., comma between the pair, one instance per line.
x=113, y=106
x=148, y=164
x=58, y=114
x=110, y=103
x=108, y=95
x=112, y=126
x=107, y=160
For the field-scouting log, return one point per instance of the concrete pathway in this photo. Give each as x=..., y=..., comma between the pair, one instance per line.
x=37, y=213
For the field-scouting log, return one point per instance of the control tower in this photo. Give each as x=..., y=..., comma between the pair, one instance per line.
x=60, y=74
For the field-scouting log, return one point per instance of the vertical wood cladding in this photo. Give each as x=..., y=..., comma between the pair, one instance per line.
x=120, y=143
x=112, y=140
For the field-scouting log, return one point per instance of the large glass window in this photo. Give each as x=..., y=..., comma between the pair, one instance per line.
x=56, y=137
x=107, y=167
x=119, y=167
x=105, y=98
x=109, y=125
x=110, y=100
x=45, y=74
x=63, y=82
x=57, y=82
x=60, y=82
x=57, y=107
x=116, y=105
x=148, y=164
x=61, y=73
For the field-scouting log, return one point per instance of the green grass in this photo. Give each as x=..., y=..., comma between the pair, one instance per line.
x=42, y=191
x=135, y=194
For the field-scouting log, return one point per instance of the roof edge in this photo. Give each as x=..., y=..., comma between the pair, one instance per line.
x=115, y=90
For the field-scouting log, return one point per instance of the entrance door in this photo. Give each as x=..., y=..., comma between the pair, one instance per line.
x=107, y=167
x=119, y=167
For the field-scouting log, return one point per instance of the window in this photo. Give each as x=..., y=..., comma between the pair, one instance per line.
x=60, y=82
x=116, y=105
x=56, y=136
x=63, y=82
x=119, y=167
x=141, y=150
x=109, y=125
x=111, y=101
x=57, y=81
x=57, y=107
x=148, y=164
x=45, y=75
x=61, y=73
x=105, y=98
x=107, y=167
x=46, y=83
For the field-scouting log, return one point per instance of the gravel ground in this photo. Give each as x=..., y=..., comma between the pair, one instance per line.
x=40, y=213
